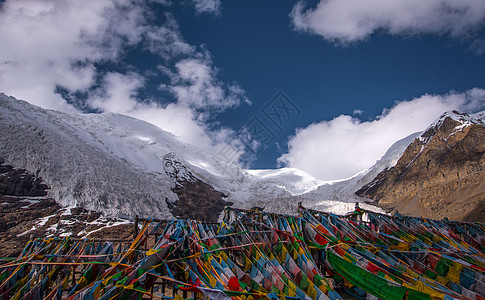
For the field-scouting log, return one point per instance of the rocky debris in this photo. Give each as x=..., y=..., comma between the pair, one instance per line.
x=441, y=174
x=23, y=218
x=25, y=213
x=197, y=200
x=17, y=216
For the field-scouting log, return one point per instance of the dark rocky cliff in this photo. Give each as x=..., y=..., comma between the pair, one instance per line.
x=197, y=200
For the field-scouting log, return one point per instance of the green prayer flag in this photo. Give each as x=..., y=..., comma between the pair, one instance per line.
x=430, y=274
x=365, y=280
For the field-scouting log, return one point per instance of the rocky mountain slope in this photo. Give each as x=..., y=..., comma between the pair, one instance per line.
x=441, y=173
x=26, y=212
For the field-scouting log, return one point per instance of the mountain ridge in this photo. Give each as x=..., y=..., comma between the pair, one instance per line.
x=440, y=174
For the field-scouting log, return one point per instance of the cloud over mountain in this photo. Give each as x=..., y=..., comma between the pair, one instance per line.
x=341, y=147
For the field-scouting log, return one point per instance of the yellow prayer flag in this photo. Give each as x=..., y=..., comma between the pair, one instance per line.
x=421, y=287
x=443, y=280
x=291, y=288
x=453, y=275
x=457, y=266
x=247, y=264
x=223, y=255
x=151, y=252
x=312, y=292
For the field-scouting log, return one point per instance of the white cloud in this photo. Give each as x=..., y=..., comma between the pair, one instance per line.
x=167, y=41
x=38, y=49
x=358, y=112
x=342, y=147
x=52, y=43
x=55, y=43
x=195, y=84
x=478, y=46
x=207, y=6
x=346, y=21
x=117, y=93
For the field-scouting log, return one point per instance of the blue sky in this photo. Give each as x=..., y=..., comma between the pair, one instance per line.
x=325, y=80
x=361, y=77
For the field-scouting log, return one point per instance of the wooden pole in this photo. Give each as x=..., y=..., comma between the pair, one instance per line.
x=135, y=232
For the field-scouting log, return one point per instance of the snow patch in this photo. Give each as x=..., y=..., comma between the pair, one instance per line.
x=26, y=232
x=105, y=224
x=42, y=221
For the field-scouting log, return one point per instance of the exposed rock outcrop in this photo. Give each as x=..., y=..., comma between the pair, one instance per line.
x=18, y=182
x=196, y=199
x=441, y=174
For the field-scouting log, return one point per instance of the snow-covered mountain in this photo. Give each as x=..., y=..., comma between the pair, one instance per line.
x=332, y=196
x=123, y=166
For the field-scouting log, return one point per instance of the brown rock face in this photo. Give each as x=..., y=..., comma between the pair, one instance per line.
x=197, y=199
x=441, y=174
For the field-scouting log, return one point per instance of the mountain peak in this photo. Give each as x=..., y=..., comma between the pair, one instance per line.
x=451, y=122
x=460, y=117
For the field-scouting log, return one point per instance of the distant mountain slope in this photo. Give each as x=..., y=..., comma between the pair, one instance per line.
x=441, y=173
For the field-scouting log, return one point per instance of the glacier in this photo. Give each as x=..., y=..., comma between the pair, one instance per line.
x=113, y=164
